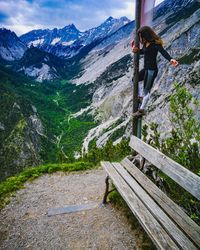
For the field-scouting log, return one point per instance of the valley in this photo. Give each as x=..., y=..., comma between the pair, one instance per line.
x=64, y=91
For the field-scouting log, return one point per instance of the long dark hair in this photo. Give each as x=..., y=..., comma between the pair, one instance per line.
x=148, y=35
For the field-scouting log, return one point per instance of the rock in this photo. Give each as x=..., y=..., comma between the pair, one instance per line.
x=2, y=127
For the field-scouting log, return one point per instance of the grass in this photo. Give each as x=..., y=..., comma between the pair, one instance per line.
x=142, y=240
x=14, y=183
x=75, y=134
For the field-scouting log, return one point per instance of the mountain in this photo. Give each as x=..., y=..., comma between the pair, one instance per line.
x=92, y=100
x=68, y=41
x=108, y=69
x=11, y=47
x=21, y=129
x=64, y=36
x=40, y=65
x=105, y=29
x=172, y=6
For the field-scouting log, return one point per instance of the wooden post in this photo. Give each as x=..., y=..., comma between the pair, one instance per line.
x=136, y=68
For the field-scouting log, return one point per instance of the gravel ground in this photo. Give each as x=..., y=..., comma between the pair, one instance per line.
x=25, y=224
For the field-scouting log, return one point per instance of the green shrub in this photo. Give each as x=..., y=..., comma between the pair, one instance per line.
x=182, y=144
x=109, y=152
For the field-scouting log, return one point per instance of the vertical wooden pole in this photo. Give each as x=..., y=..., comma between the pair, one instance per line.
x=136, y=68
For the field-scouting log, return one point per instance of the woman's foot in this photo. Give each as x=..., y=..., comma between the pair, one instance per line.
x=140, y=98
x=139, y=113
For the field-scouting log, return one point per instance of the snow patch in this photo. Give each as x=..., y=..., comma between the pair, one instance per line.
x=36, y=42
x=68, y=43
x=55, y=40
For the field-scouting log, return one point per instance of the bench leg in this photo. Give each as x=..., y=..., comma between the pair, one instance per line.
x=106, y=191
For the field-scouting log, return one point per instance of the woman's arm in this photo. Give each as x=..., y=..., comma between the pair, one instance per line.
x=164, y=52
x=166, y=55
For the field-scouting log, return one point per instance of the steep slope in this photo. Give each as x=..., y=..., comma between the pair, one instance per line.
x=11, y=47
x=41, y=65
x=21, y=130
x=112, y=94
x=95, y=102
x=36, y=123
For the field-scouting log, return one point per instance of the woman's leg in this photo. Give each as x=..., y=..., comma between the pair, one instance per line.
x=141, y=75
x=149, y=78
x=141, y=78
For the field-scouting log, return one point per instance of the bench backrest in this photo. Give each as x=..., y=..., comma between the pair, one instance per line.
x=185, y=178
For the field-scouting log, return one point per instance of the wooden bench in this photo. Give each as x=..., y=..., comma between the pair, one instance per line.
x=164, y=221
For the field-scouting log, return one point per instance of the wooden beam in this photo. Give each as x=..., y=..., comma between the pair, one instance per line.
x=136, y=66
x=185, y=178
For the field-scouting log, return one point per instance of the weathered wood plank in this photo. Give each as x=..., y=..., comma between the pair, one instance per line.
x=71, y=209
x=156, y=232
x=174, y=232
x=185, y=178
x=170, y=207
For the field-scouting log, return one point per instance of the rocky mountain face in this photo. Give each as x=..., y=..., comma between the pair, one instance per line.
x=33, y=62
x=105, y=29
x=108, y=67
x=40, y=65
x=21, y=130
x=11, y=47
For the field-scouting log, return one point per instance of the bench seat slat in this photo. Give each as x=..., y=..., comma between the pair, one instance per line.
x=174, y=232
x=156, y=232
x=185, y=178
x=170, y=207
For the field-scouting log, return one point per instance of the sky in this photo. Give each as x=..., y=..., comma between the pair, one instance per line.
x=22, y=16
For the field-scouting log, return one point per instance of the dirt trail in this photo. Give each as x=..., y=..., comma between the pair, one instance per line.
x=24, y=223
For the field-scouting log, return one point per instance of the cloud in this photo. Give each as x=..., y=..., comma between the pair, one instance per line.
x=128, y=10
x=22, y=16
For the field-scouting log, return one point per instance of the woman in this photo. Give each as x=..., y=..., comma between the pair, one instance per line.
x=152, y=44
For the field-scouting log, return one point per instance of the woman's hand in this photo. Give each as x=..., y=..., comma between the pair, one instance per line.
x=134, y=49
x=173, y=62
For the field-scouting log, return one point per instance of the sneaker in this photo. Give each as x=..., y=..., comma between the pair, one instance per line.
x=140, y=98
x=139, y=113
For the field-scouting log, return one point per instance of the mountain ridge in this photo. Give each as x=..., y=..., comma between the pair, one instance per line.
x=11, y=47
x=71, y=45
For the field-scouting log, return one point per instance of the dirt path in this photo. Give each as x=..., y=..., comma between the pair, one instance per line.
x=24, y=223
